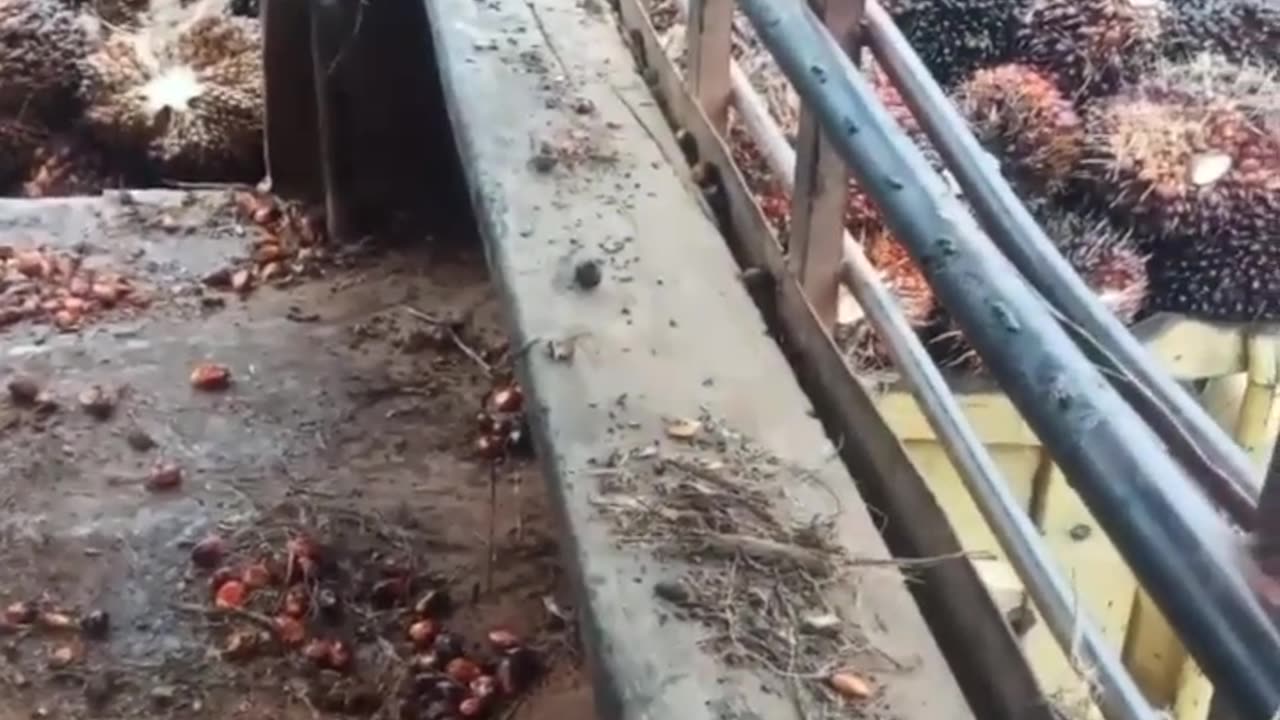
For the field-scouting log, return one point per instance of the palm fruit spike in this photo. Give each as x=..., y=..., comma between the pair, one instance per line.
x=1182, y=170
x=1092, y=45
x=954, y=37
x=193, y=105
x=1229, y=279
x=1242, y=30
x=1022, y=118
x=41, y=46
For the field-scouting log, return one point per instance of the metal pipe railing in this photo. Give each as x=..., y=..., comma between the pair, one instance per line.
x=1079, y=636
x=1165, y=529
x=1200, y=443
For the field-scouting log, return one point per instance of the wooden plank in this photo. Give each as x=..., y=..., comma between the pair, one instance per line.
x=668, y=332
x=292, y=135
x=821, y=188
x=984, y=653
x=709, y=42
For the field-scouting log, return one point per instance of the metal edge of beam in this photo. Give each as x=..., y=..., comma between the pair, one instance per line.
x=980, y=647
x=1162, y=402
x=1095, y=436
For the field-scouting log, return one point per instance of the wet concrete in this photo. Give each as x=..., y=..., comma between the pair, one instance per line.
x=334, y=409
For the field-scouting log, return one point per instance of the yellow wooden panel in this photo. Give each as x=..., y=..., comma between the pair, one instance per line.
x=1152, y=652
x=1092, y=566
x=1191, y=349
x=1241, y=395
x=1018, y=463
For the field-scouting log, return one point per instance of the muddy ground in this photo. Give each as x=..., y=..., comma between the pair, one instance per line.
x=349, y=419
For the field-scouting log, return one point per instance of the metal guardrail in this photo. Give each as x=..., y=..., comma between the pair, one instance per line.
x=1113, y=443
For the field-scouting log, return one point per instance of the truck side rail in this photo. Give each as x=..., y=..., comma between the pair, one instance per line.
x=1093, y=432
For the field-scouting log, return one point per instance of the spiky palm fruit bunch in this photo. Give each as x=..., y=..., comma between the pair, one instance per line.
x=41, y=46
x=1186, y=170
x=1092, y=45
x=193, y=105
x=954, y=37
x=65, y=166
x=1106, y=257
x=1232, y=278
x=1022, y=118
x=1242, y=30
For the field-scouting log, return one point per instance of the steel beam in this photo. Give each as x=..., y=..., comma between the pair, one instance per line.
x=1163, y=525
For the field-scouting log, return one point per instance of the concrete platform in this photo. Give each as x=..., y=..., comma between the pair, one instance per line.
x=568, y=160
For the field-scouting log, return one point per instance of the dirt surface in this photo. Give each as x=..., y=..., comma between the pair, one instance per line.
x=349, y=419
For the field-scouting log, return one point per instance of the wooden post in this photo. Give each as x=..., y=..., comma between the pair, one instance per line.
x=710, y=37
x=292, y=135
x=815, y=247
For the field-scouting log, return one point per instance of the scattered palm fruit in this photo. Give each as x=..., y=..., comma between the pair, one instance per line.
x=164, y=478
x=501, y=422
x=208, y=553
x=57, y=288
x=210, y=377
x=231, y=595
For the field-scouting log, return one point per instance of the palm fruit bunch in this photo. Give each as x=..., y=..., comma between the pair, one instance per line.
x=41, y=44
x=1092, y=46
x=191, y=106
x=1107, y=257
x=1241, y=30
x=954, y=37
x=1214, y=254
x=1232, y=278
x=1018, y=113
x=1186, y=163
